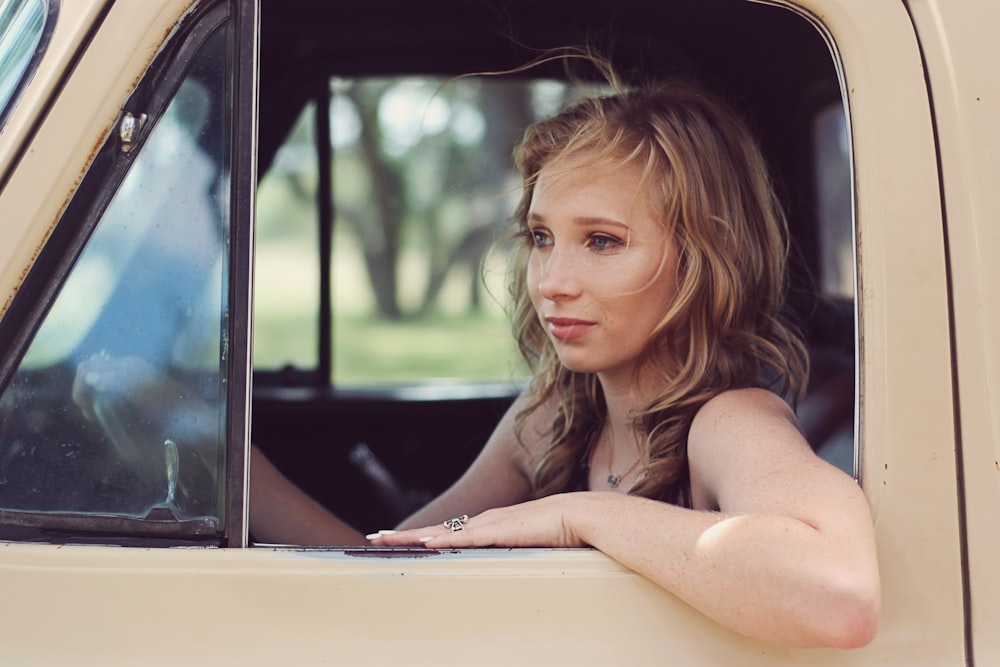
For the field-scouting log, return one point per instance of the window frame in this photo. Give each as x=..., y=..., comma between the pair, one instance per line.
x=55, y=261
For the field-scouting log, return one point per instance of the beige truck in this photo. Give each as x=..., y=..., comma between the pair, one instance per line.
x=272, y=213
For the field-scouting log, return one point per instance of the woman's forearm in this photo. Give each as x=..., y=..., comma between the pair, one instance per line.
x=773, y=578
x=280, y=513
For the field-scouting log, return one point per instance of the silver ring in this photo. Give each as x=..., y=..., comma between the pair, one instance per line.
x=456, y=523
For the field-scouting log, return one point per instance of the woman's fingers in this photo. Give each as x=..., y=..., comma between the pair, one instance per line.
x=532, y=524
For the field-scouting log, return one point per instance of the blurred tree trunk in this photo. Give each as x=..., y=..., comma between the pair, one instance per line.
x=506, y=111
x=379, y=230
x=479, y=174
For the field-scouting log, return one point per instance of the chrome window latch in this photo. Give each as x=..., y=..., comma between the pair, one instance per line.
x=128, y=130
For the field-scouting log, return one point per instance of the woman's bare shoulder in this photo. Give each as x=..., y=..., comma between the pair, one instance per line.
x=740, y=435
x=738, y=414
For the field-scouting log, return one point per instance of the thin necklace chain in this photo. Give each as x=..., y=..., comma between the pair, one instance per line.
x=613, y=479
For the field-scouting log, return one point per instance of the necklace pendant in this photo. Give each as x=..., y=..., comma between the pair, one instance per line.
x=614, y=480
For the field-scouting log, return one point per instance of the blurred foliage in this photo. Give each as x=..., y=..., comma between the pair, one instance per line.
x=423, y=186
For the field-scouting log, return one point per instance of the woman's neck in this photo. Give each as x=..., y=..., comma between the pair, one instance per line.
x=624, y=396
x=617, y=454
x=623, y=400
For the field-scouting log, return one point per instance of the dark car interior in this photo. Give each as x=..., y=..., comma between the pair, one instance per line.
x=372, y=455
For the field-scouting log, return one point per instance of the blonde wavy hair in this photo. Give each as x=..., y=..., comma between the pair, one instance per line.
x=725, y=329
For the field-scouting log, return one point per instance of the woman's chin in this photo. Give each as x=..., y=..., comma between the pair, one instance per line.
x=575, y=364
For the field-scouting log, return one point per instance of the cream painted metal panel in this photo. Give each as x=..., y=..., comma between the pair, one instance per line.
x=53, y=166
x=906, y=421
x=255, y=606
x=959, y=42
x=74, y=22
x=524, y=606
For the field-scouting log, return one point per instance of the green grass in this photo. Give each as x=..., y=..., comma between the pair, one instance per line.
x=467, y=347
x=369, y=350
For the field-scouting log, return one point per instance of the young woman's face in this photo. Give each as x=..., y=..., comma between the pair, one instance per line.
x=602, y=271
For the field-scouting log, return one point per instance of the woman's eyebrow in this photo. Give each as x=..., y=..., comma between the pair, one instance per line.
x=597, y=221
x=583, y=220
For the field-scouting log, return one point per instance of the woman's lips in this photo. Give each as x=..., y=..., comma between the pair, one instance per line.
x=567, y=328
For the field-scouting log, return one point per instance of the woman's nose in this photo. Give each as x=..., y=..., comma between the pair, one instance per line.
x=558, y=277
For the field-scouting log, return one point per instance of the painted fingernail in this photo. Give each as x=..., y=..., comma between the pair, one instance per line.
x=426, y=539
x=373, y=536
x=386, y=532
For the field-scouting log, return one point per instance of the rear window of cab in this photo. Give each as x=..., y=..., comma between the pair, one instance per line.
x=418, y=187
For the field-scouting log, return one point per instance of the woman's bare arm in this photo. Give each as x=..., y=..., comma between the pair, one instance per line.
x=498, y=477
x=788, y=558
x=281, y=513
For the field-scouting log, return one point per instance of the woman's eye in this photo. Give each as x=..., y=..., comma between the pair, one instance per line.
x=602, y=242
x=539, y=238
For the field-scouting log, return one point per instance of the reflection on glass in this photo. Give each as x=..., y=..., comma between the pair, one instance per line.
x=835, y=202
x=21, y=23
x=118, y=405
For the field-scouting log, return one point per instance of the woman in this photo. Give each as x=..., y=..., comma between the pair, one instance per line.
x=648, y=293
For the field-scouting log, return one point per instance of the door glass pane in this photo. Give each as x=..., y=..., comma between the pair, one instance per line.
x=118, y=406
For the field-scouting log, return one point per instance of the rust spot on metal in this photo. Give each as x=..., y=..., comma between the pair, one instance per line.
x=170, y=30
x=6, y=303
x=91, y=156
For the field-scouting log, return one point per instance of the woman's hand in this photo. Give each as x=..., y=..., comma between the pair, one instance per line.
x=536, y=523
